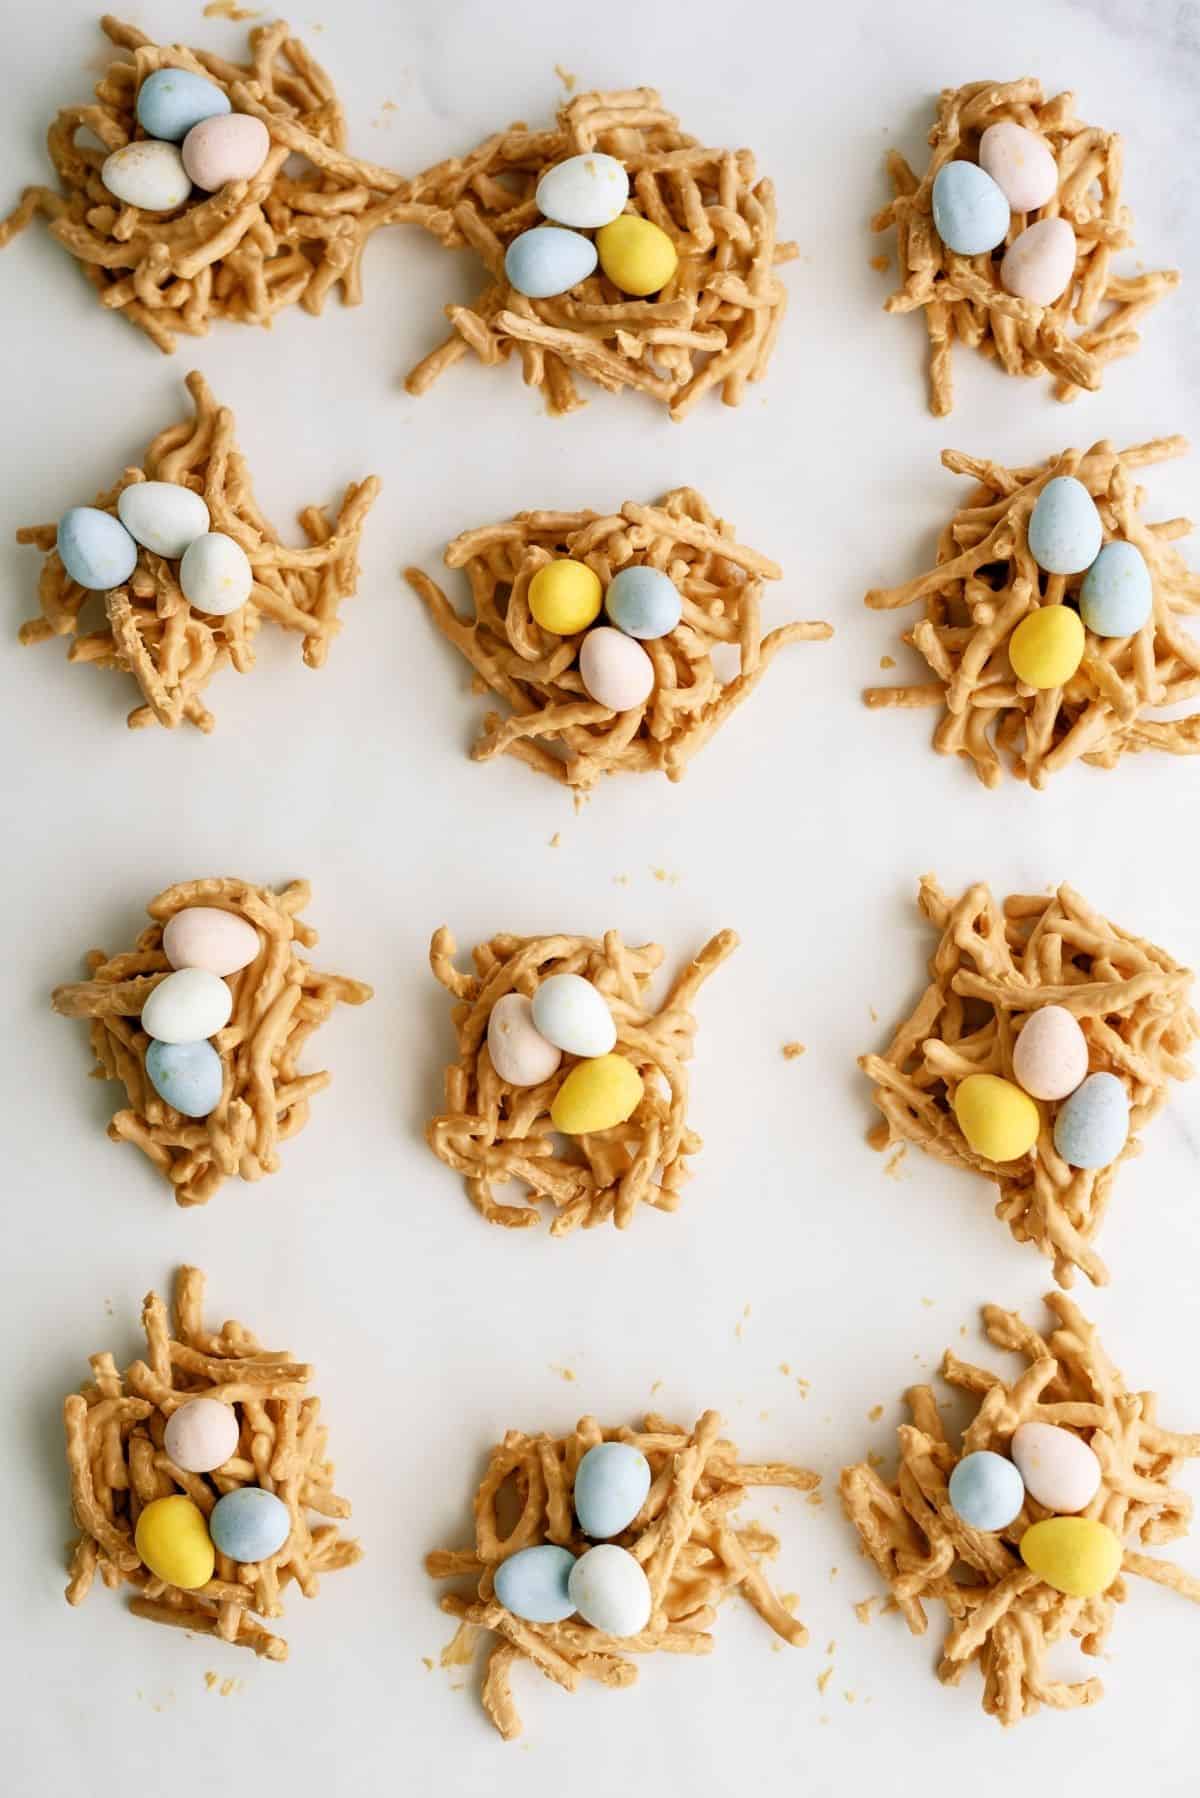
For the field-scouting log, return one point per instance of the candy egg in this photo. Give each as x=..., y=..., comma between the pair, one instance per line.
x=187, y=1076
x=204, y=936
x=1020, y=163
x=999, y=1121
x=162, y=515
x=201, y=1434
x=95, y=548
x=584, y=191
x=986, y=1490
x=636, y=255
x=1058, y=1468
x=611, y=1483
x=548, y=260
x=147, y=174
x=596, y=1095
x=573, y=1015
x=533, y=1584
x=1038, y=265
x=186, y=1006
x=643, y=602
x=615, y=670
x=1065, y=532
x=970, y=213
x=220, y=150
x=173, y=1541
x=1092, y=1127
x=1047, y=647
x=520, y=1053
x=215, y=574
x=1077, y=1555
x=565, y=596
x=1117, y=595
x=610, y=1590
x=1051, y=1054
x=249, y=1524
x=171, y=101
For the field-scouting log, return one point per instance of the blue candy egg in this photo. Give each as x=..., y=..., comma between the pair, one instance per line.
x=611, y=1484
x=171, y=101
x=1117, y=595
x=249, y=1524
x=95, y=548
x=533, y=1584
x=643, y=602
x=1065, y=532
x=970, y=212
x=548, y=260
x=986, y=1490
x=188, y=1076
x=1092, y=1127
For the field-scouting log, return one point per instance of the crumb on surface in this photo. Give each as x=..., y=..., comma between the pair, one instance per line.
x=833, y=1573
x=229, y=9
x=824, y=1678
x=891, y=1166
x=620, y=880
x=564, y=1373
x=784, y=1368
x=789, y=1601
x=566, y=77
x=887, y=661
x=792, y=1051
x=662, y=874
x=210, y=1680
x=556, y=840
x=863, y=1610
x=875, y=1459
x=657, y=1387
x=816, y=1500
x=874, y=1014
x=427, y=1661
x=875, y=1413
x=881, y=262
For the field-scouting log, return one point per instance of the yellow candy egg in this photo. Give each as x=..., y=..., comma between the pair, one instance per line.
x=1047, y=646
x=1077, y=1555
x=596, y=1095
x=565, y=596
x=173, y=1540
x=637, y=256
x=998, y=1120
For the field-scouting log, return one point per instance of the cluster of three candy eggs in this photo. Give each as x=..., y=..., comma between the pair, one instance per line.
x=527, y=1039
x=973, y=204
x=1000, y=1121
x=642, y=603
x=588, y=193
x=203, y=945
x=193, y=139
x=101, y=552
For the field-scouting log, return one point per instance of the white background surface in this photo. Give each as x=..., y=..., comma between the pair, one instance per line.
x=805, y=825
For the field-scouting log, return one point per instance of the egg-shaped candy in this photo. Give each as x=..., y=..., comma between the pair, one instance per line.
x=187, y=1005
x=584, y=191
x=205, y=936
x=230, y=148
x=597, y=1095
x=970, y=212
x=1020, y=163
x=615, y=669
x=574, y=1015
x=1092, y=1126
x=643, y=602
x=534, y=1583
x=636, y=255
x=1065, y=532
x=249, y=1524
x=611, y=1483
x=548, y=260
x=1047, y=647
x=1077, y=1555
x=147, y=174
x=171, y=101
x=999, y=1121
x=519, y=1052
x=610, y=1590
x=173, y=1541
x=187, y=1076
x=986, y=1490
x=565, y=596
x=162, y=515
x=1039, y=264
x=215, y=574
x=1058, y=1467
x=95, y=548
x=1117, y=595
x=201, y=1435
x=1050, y=1057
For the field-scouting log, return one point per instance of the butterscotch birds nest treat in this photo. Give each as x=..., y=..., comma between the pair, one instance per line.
x=194, y=1475
x=1046, y=1039
x=1027, y=1529
x=203, y=1022
x=558, y=1038
x=188, y=568
x=645, y=689
x=1005, y=243
x=686, y=299
x=1053, y=618
x=624, y=1543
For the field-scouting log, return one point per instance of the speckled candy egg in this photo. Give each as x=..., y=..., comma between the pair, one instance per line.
x=1020, y=163
x=548, y=261
x=171, y=101
x=1039, y=264
x=1058, y=1467
x=187, y=1076
x=249, y=1524
x=534, y=1584
x=1092, y=1126
x=611, y=1483
x=584, y=191
x=999, y=1121
x=1050, y=1057
x=204, y=936
x=95, y=548
x=186, y=1006
x=643, y=602
x=173, y=1541
x=597, y=1095
x=215, y=574
x=1065, y=532
x=201, y=1434
x=970, y=213
x=615, y=669
x=162, y=515
x=610, y=1590
x=1117, y=595
x=520, y=1053
x=1077, y=1555
x=986, y=1490
x=573, y=1015
x=147, y=174
x=220, y=150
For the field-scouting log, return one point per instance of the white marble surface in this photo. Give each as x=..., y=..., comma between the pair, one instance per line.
x=805, y=825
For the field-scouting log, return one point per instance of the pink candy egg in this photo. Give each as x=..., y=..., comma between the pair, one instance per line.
x=201, y=1435
x=1039, y=265
x=1020, y=163
x=1050, y=1057
x=615, y=669
x=204, y=936
x=231, y=147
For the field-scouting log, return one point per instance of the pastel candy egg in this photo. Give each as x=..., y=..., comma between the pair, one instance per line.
x=970, y=213
x=1092, y=1127
x=1038, y=265
x=204, y=936
x=986, y=1490
x=597, y=1095
x=611, y=1483
x=1047, y=647
x=1117, y=595
x=215, y=574
x=999, y=1121
x=1065, y=532
x=186, y=1006
x=534, y=1584
x=584, y=191
x=95, y=548
x=615, y=670
x=636, y=255
x=201, y=1434
x=147, y=174
x=565, y=596
x=1020, y=163
x=171, y=101
x=573, y=1015
x=162, y=515
x=548, y=260
x=231, y=148
x=249, y=1524
x=1077, y=1555
x=1051, y=1054
x=187, y=1076
x=1058, y=1467
x=173, y=1541
x=519, y=1052
x=644, y=602
x=610, y=1590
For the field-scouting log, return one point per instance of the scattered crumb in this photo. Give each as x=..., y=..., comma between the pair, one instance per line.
x=863, y=1609
x=962, y=1329
x=882, y=263
x=620, y=880
x=789, y=1601
x=556, y=840
x=460, y=1649
x=657, y=1387
x=929, y=1303
x=804, y=1385
x=849, y=1697
x=874, y=1014
x=833, y=1573
x=427, y=1662
x=763, y=1416
x=564, y=1373
x=229, y=1686
x=832, y=1647
x=108, y=1307
x=875, y=1413
x=815, y=1500
x=784, y=1368
x=228, y=9
x=388, y=106
x=823, y=1680
x=661, y=874
x=210, y=1679
x=792, y=1051
x=565, y=76
x=822, y=1719
x=892, y=1165
x=875, y=1459
x=887, y=661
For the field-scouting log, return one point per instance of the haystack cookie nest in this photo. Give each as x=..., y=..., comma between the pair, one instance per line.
x=962, y=297
x=553, y=724
x=117, y=1428
x=493, y=1131
x=245, y=251
x=712, y=326
x=1000, y=1613
x=683, y=1537
x=993, y=971
x=275, y=1002
x=986, y=582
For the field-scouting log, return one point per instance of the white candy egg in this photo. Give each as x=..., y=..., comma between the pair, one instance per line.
x=573, y=1015
x=162, y=515
x=215, y=574
x=1039, y=264
x=186, y=1006
x=148, y=174
x=520, y=1053
x=204, y=936
x=610, y=1590
x=1050, y=1057
x=584, y=191
x=615, y=669
x=201, y=1435
x=1020, y=163
x=1058, y=1468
